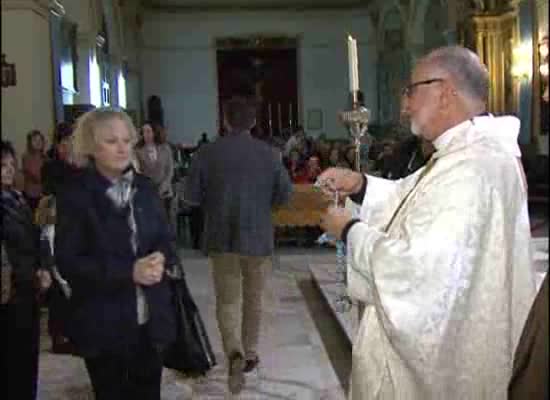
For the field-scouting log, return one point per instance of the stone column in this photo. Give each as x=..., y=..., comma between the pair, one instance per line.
x=26, y=42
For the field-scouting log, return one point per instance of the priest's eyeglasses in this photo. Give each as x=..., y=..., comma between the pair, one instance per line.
x=409, y=89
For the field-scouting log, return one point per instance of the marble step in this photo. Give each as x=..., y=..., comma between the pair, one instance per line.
x=325, y=278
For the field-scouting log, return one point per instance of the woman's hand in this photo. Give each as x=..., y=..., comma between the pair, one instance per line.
x=149, y=270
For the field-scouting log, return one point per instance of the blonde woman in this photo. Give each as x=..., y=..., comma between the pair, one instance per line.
x=112, y=244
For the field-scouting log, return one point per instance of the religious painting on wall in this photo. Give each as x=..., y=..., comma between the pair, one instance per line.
x=264, y=68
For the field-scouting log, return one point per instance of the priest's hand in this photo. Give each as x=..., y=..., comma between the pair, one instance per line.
x=334, y=221
x=342, y=180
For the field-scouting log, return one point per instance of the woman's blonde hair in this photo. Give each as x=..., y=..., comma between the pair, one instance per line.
x=86, y=130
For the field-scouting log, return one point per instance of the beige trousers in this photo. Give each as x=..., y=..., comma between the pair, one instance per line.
x=239, y=284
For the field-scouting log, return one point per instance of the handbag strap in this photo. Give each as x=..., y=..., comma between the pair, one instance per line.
x=176, y=270
x=429, y=166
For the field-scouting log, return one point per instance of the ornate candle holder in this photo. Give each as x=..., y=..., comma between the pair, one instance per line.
x=356, y=120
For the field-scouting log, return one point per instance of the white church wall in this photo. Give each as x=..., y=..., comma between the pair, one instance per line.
x=26, y=42
x=179, y=63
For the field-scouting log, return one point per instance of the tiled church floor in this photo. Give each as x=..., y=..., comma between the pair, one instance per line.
x=304, y=355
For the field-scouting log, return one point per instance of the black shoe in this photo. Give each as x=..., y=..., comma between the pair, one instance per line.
x=251, y=364
x=62, y=345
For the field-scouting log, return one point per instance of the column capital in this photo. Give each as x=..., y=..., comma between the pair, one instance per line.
x=40, y=7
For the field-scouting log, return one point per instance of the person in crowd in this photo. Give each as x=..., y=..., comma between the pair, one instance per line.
x=303, y=148
x=25, y=275
x=237, y=202
x=311, y=171
x=322, y=150
x=440, y=258
x=203, y=140
x=409, y=156
x=113, y=246
x=333, y=156
x=349, y=157
x=294, y=165
x=57, y=171
x=530, y=374
x=156, y=162
x=32, y=161
x=60, y=166
x=384, y=160
x=293, y=140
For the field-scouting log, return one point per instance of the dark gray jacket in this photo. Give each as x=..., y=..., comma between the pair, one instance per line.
x=237, y=180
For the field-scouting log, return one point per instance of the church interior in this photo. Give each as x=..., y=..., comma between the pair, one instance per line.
x=176, y=62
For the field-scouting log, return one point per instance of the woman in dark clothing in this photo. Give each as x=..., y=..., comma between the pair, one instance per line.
x=112, y=245
x=57, y=172
x=24, y=275
x=60, y=168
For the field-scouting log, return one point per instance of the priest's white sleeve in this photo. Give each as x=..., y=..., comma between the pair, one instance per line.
x=415, y=277
x=381, y=199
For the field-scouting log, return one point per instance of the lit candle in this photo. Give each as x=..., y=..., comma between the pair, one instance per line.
x=353, y=65
x=270, y=119
x=290, y=115
x=280, y=117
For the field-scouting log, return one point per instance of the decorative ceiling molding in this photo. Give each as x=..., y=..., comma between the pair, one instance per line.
x=256, y=42
x=251, y=5
x=40, y=7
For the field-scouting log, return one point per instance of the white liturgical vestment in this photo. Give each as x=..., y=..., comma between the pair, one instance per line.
x=449, y=285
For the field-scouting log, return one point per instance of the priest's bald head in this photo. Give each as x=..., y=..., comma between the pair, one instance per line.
x=447, y=87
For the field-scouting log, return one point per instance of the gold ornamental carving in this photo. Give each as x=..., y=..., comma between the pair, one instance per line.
x=495, y=36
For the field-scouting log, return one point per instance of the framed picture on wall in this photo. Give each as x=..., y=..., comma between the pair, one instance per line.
x=315, y=119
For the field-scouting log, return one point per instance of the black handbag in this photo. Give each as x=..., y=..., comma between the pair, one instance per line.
x=191, y=353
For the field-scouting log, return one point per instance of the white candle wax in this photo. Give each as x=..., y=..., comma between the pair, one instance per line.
x=290, y=115
x=279, y=117
x=352, y=64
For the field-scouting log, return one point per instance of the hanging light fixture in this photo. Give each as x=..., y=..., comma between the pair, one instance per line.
x=56, y=8
x=8, y=73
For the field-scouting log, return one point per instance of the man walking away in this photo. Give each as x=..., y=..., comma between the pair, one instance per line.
x=236, y=180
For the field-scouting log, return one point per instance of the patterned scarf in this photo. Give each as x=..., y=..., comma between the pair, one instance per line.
x=122, y=193
x=12, y=200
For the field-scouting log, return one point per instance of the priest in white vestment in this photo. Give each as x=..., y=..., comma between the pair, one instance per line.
x=442, y=258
